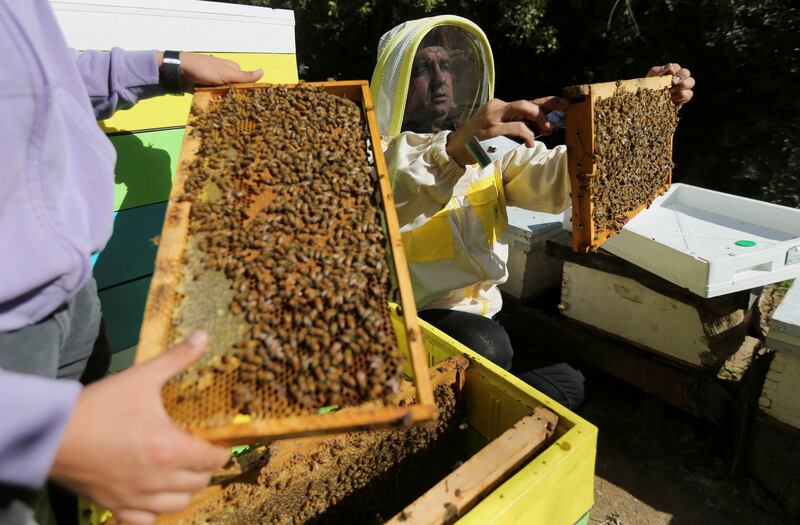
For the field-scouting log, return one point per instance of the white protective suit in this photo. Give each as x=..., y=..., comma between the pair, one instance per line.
x=452, y=218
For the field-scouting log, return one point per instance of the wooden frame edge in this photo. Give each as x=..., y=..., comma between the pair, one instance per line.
x=462, y=489
x=297, y=426
x=413, y=332
x=162, y=296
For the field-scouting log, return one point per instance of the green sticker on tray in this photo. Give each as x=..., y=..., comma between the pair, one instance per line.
x=746, y=244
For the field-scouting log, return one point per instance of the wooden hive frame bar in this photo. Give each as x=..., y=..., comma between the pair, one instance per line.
x=162, y=298
x=456, y=494
x=580, y=140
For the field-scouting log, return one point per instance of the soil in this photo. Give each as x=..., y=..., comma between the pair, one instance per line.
x=657, y=465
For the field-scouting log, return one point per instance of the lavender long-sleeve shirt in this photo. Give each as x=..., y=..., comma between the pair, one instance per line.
x=56, y=203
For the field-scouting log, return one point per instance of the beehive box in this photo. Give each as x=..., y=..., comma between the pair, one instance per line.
x=619, y=146
x=784, y=325
x=780, y=397
x=555, y=487
x=531, y=271
x=652, y=315
x=281, y=240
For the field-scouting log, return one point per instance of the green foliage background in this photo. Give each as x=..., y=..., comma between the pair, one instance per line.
x=740, y=133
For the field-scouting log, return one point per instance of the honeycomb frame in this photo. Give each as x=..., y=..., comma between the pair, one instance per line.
x=580, y=140
x=163, y=298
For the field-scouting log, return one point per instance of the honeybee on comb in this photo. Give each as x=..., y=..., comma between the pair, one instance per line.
x=619, y=149
x=632, y=153
x=284, y=210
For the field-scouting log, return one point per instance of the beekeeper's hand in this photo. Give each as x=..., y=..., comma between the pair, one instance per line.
x=121, y=449
x=204, y=70
x=519, y=119
x=682, y=81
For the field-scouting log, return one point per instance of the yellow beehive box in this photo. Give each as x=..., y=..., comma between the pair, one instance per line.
x=556, y=487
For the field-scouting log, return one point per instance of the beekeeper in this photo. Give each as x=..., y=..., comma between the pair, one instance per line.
x=432, y=87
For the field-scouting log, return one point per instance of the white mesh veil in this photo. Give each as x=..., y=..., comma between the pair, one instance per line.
x=470, y=56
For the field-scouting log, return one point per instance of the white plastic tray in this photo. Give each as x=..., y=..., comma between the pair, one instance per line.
x=689, y=236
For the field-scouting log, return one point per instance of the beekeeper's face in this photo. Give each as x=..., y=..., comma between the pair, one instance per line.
x=430, y=92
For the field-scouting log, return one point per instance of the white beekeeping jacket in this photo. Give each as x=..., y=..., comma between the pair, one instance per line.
x=452, y=218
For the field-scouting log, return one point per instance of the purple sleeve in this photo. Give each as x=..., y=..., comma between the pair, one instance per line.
x=33, y=414
x=118, y=79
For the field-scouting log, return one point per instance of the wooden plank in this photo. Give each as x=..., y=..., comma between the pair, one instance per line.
x=409, y=309
x=453, y=496
x=580, y=141
x=157, y=327
x=356, y=418
x=146, y=164
x=131, y=251
x=579, y=138
x=606, y=89
x=123, y=307
x=172, y=111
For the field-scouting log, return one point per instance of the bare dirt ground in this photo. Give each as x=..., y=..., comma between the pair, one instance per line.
x=657, y=465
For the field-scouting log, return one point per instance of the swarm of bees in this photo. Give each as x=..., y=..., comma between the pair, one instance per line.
x=632, y=154
x=285, y=206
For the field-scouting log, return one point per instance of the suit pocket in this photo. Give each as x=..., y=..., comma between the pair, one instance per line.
x=484, y=200
x=433, y=241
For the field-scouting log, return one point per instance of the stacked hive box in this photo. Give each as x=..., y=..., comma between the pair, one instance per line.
x=148, y=137
x=779, y=397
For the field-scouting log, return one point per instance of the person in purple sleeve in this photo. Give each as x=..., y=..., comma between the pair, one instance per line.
x=112, y=440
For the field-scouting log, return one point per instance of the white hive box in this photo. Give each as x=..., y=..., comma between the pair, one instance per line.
x=530, y=270
x=711, y=243
x=780, y=396
x=187, y=25
x=784, y=327
x=672, y=322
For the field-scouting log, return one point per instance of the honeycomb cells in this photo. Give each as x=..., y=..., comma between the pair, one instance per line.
x=285, y=214
x=632, y=154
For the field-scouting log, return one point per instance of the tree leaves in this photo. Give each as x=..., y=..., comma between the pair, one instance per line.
x=740, y=133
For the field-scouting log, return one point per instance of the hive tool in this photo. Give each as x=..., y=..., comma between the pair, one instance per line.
x=487, y=151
